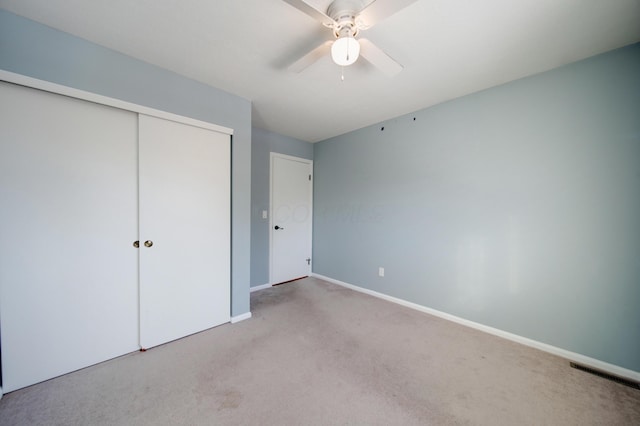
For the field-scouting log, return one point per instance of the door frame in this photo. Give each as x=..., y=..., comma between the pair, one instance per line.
x=272, y=157
x=47, y=86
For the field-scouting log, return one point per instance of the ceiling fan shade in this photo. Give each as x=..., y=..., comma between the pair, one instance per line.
x=345, y=51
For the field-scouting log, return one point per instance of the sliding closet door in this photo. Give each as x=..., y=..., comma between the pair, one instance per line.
x=184, y=230
x=68, y=207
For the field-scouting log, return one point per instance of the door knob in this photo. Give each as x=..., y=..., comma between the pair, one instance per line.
x=148, y=243
x=136, y=244
x=278, y=227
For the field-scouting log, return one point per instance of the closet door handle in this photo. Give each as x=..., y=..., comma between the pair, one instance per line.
x=136, y=244
x=148, y=243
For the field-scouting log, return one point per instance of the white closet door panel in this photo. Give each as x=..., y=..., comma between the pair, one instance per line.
x=68, y=203
x=184, y=179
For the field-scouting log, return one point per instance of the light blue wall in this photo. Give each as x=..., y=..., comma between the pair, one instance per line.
x=263, y=143
x=35, y=50
x=517, y=207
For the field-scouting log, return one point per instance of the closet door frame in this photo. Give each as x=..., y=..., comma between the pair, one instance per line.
x=47, y=86
x=30, y=82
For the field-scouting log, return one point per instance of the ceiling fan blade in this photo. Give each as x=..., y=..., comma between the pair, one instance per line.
x=311, y=11
x=379, y=10
x=311, y=57
x=377, y=57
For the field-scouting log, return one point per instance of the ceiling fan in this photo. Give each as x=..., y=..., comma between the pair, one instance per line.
x=346, y=18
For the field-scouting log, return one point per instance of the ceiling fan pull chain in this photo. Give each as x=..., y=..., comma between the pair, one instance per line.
x=349, y=47
x=342, y=77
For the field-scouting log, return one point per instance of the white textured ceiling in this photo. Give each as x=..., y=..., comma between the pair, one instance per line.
x=449, y=48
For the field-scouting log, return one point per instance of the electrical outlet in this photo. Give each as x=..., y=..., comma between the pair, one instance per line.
x=381, y=271
x=264, y=214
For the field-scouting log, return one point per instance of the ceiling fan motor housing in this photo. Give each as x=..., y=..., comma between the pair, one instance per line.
x=344, y=13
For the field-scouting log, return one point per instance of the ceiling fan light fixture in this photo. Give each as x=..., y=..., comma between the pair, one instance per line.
x=345, y=51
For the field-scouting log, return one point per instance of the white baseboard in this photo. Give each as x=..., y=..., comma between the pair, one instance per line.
x=259, y=287
x=241, y=317
x=572, y=356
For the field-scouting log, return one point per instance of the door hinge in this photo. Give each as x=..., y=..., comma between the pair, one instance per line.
x=309, y=177
x=308, y=261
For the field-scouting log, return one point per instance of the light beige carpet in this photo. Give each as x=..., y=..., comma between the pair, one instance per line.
x=317, y=354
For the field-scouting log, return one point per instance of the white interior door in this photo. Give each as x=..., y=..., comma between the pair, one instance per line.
x=291, y=217
x=68, y=203
x=184, y=180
